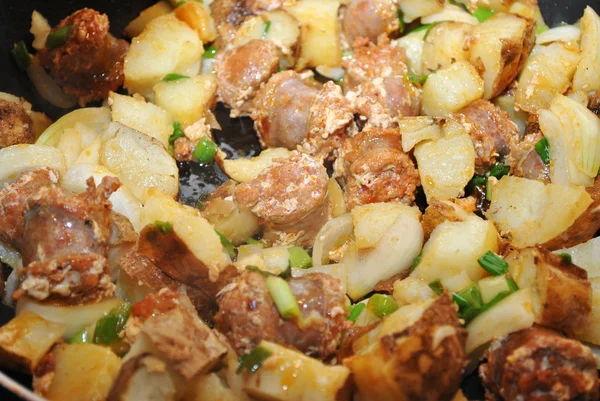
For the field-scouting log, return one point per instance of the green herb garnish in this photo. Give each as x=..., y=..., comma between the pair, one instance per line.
x=493, y=264
x=21, y=55
x=436, y=286
x=58, y=37
x=483, y=14
x=543, y=148
x=163, y=226
x=210, y=52
x=173, y=77
x=382, y=305
x=252, y=361
x=355, y=311
x=205, y=150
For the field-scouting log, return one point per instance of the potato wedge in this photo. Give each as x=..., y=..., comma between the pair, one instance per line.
x=545, y=74
x=80, y=372
x=19, y=158
x=136, y=113
x=197, y=16
x=451, y=89
x=136, y=26
x=187, y=100
x=25, y=339
x=288, y=375
x=446, y=164
x=587, y=75
x=529, y=212
x=419, y=350
x=320, y=36
x=446, y=44
x=141, y=162
x=413, y=9
x=413, y=44
x=167, y=45
x=499, y=49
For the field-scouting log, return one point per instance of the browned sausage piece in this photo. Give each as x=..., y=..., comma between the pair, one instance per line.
x=248, y=315
x=538, y=364
x=594, y=104
x=376, y=169
x=370, y=60
x=289, y=198
x=369, y=19
x=15, y=124
x=491, y=129
x=228, y=15
x=241, y=70
x=524, y=159
x=90, y=63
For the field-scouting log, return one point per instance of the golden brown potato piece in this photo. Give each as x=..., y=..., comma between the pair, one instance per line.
x=439, y=211
x=15, y=124
x=586, y=225
x=419, y=355
x=539, y=364
x=564, y=292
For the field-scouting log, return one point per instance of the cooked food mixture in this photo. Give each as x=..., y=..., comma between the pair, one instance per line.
x=425, y=204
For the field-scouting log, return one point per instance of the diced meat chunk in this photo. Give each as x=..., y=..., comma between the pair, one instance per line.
x=290, y=199
x=375, y=169
x=370, y=60
x=241, y=70
x=247, y=314
x=90, y=63
x=539, y=364
x=524, y=159
x=491, y=129
x=15, y=124
x=369, y=19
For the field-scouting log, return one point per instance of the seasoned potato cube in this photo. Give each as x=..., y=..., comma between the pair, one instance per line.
x=447, y=164
x=167, y=45
x=445, y=44
x=26, y=339
x=283, y=30
x=320, y=37
x=450, y=12
x=245, y=170
x=135, y=113
x=413, y=9
x=418, y=129
x=136, y=27
x=81, y=372
x=499, y=49
x=547, y=73
x=455, y=247
x=197, y=16
x=419, y=350
x=187, y=100
x=413, y=44
x=412, y=290
x=451, y=89
x=587, y=75
x=141, y=162
x=288, y=375
x=210, y=387
x=529, y=212
x=19, y=158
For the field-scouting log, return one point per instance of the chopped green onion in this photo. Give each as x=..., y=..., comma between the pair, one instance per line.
x=488, y=191
x=461, y=5
x=252, y=241
x=267, y=28
x=58, y=37
x=417, y=79
x=177, y=133
x=299, y=258
x=355, y=311
x=205, y=150
x=493, y=264
x=279, y=68
x=86, y=335
x=494, y=301
x=252, y=361
x=199, y=202
x=499, y=170
x=258, y=270
x=436, y=286
x=512, y=285
x=163, y=226
x=541, y=28
x=566, y=258
x=347, y=54
x=472, y=295
x=482, y=14
x=382, y=305
x=108, y=328
x=421, y=28
x=21, y=55
x=478, y=180
x=180, y=3
x=210, y=52
x=173, y=77
x=227, y=245
x=416, y=262
x=543, y=148
x=283, y=297
x=401, y=20
x=469, y=302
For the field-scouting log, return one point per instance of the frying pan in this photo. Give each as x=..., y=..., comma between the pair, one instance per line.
x=237, y=137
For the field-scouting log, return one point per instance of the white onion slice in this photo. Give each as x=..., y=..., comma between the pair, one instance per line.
x=47, y=87
x=566, y=33
x=40, y=28
x=96, y=118
x=331, y=236
x=336, y=270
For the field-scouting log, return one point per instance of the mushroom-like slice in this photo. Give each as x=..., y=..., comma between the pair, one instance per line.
x=290, y=197
x=419, y=354
x=565, y=294
x=15, y=124
x=539, y=364
x=241, y=70
x=90, y=63
x=369, y=19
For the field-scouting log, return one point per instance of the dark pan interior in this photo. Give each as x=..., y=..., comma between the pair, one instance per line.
x=237, y=137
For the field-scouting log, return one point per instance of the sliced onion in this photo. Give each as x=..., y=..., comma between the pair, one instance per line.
x=12, y=284
x=10, y=256
x=40, y=28
x=335, y=73
x=566, y=33
x=19, y=158
x=93, y=117
x=336, y=270
x=47, y=87
x=212, y=121
x=331, y=236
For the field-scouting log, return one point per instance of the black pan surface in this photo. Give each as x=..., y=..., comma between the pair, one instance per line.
x=237, y=137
